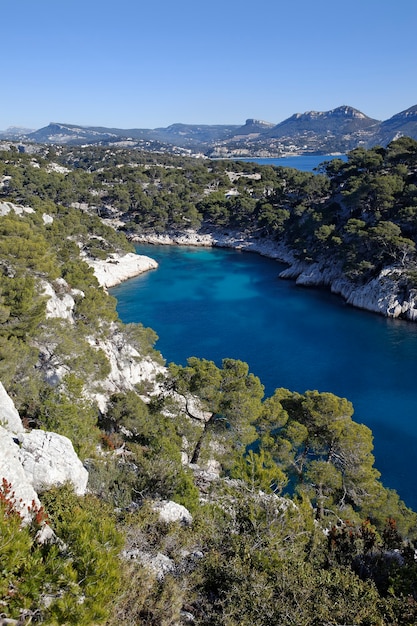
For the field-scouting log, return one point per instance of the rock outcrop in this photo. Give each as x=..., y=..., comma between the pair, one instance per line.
x=11, y=471
x=9, y=417
x=49, y=459
x=159, y=563
x=33, y=461
x=221, y=239
x=171, y=512
x=386, y=294
x=128, y=367
x=61, y=299
x=8, y=207
x=120, y=267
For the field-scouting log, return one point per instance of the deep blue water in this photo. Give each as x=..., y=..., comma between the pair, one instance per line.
x=303, y=162
x=215, y=303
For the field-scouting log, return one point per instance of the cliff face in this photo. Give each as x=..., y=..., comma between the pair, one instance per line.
x=127, y=367
x=384, y=294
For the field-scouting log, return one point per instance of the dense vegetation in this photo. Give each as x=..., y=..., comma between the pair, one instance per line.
x=296, y=528
x=361, y=212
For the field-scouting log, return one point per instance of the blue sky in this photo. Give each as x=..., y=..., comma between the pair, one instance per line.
x=150, y=63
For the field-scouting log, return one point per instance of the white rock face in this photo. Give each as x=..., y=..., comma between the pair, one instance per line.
x=127, y=367
x=9, y=417
x=118, y=268
x=61, y=299
x=35, y=460
x=384, y=294
x=49, y=459
x=12, y=471
x=220, y=239
x=172, y=512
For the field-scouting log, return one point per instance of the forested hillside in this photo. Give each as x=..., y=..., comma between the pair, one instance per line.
x=347, y=211
x=286, y=520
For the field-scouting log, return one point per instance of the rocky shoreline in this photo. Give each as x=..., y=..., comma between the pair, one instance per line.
x=385, y=294
x=120, y=267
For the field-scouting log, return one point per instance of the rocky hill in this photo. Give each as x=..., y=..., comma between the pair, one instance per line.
x=180, y=135
x=322, y=132
x=401, y=124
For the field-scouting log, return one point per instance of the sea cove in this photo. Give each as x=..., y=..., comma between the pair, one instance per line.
x=215, y=303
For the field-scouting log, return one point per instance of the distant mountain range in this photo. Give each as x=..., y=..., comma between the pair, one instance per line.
x=335, y=131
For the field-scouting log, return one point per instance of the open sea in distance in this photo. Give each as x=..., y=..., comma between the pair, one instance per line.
x=214, y=303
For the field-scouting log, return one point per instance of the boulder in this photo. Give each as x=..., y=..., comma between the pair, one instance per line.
x=49, y=459
x=159, y=563
x=11, y=470
x=172, y=512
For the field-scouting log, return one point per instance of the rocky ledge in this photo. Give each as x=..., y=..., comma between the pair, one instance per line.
x=119, y=267
x=386, y=294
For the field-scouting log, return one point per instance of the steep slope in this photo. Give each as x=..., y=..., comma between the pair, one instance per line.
x=400, y=125
x=344, y=119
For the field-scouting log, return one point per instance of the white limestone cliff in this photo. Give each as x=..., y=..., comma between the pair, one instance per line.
x=385, y=294
x=120, y=267
x=60, y=299
x=128, y=367
x=221, y=239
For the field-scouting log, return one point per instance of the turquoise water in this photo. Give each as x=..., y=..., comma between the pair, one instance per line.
x=215, y=303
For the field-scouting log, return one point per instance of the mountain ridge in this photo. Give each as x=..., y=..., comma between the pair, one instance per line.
x=321, y=132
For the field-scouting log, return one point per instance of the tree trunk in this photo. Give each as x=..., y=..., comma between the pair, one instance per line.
x=197, y=449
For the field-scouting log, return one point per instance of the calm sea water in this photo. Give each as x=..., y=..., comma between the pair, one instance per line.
x=216, y=303
x=303, y=162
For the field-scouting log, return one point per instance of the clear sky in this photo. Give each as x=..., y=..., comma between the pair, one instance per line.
x=150, y=63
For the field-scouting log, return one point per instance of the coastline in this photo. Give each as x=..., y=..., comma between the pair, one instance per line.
x=120, y=267
x=384, y=295
x=230, y=239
